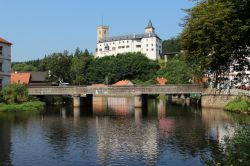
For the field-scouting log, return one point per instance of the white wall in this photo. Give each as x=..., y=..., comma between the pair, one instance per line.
x=149, y=46
x=5, y=59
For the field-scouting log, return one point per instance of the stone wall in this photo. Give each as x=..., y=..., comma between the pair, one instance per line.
x=216, y=101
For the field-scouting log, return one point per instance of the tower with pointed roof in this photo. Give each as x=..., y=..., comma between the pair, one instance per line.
x=148, y=43
x=150, y=28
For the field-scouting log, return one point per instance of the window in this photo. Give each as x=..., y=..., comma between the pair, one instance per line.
x=113, y=48
x=1, y=50
x=127, y=46
x=138, y=46
x=146, y=49
x=127, y=41
x=119, y=47
x=122, y=41
x=123, y=46
x=146, y=45
x=1, y=67
x=1, y=82
x=100, y=49
x=152, y=45
x=152, y=49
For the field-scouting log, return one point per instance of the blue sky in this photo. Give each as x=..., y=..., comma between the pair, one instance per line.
x=39, y=27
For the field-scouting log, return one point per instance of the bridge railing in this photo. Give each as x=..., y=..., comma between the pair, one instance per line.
x=116, y=90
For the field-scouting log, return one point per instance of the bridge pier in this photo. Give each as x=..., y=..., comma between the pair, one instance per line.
x=76, y=101
x=139, y=100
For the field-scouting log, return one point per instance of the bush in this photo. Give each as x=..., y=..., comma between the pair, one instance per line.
x=240, y=104
x=14, y=93
x=26, y=106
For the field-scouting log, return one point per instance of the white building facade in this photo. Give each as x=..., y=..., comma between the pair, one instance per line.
x=5, y=62
x=148, y=43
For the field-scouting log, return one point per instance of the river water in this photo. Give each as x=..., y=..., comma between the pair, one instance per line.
x=113, y=132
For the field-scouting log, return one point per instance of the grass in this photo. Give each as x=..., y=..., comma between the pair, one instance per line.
x=240, y=105
x=27, y=106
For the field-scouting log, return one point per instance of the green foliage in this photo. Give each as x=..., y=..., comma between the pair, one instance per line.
x=26, y=106
x=23, y=67
x=235, y=150
x=129, y=66
x=176, y=71
x=80, y=64
x=216, y=35
x=14, y=93
x=59, y=65
x=171, y=45
x=240, y=104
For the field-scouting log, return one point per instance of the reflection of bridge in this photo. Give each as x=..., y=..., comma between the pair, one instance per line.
x=137, y=91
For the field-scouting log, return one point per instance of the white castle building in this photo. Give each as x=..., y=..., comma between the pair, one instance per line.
x=148, y=43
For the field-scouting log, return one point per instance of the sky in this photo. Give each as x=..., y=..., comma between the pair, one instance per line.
x=40, y=27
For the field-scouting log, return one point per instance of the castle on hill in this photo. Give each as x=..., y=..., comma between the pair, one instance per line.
x=148, y=43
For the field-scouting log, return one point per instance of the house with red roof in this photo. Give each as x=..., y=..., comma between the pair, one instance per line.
x=123, y=83
x=20, y=78
x=5, y=62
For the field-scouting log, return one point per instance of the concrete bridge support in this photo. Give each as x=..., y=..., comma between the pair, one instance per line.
x=140, y=100
x=76, y=101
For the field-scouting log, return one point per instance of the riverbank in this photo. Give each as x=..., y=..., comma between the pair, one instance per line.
x=26, y=106
x=239, y=105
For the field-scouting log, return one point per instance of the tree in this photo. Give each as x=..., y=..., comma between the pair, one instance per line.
x=80, y=63
x=171, y=45
x=129, y=66
x=216, y=35
x=14, y=93
x=59, y=65
x=176, y=71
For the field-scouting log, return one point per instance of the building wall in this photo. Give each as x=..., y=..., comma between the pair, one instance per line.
x=5, y=59
x=151, y=46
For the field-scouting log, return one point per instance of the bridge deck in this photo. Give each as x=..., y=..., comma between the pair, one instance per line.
x=111, y=90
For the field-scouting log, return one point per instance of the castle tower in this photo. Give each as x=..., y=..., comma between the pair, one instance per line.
x=102, y=32
x=150, y=28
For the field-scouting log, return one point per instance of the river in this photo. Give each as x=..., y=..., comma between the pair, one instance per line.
x=113, y=132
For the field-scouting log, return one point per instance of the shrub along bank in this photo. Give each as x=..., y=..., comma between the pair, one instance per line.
x=15, y=98
x=240, y=105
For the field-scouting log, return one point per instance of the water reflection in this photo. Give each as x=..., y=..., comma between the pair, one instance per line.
x=113, y=132
x=5, y=144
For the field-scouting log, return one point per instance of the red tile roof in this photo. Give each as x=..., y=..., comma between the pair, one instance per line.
x=123, y=83
x=161, y=81
x=20, y=78
x=5, y=41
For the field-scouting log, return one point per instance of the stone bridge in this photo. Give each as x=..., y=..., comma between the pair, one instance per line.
x=137, y=91
x=113, y=91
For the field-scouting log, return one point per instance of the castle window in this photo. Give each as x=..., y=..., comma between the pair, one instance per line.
x=152, y=49
x=152, y=45
x=123, y=46
x=113, y=48
x=127, y=46
x=146, y=49
x=100, y=49
x=138, y=46
x=122, y=41
x=146, y=45
x=1, y=67
x=127, y=41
